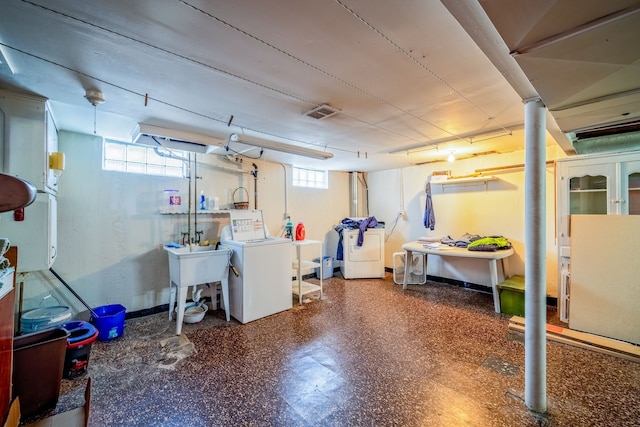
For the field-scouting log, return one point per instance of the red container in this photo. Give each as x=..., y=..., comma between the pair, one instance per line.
x=300, y=231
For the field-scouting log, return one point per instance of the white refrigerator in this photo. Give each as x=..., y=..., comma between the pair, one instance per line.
x=263, y=284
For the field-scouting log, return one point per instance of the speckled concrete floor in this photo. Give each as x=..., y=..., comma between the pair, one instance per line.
x=369, y=354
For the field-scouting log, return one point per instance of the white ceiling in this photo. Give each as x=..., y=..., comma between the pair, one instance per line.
x=404, y=75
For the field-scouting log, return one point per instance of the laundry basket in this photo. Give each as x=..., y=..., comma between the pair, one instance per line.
x=240, y=205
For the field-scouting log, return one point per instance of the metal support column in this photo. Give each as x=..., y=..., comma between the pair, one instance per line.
x=535, y=267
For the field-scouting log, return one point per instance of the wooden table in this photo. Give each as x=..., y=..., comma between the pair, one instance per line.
x=450, y=251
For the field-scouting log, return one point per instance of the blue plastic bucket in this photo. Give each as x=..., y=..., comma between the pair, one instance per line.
x=109, y=320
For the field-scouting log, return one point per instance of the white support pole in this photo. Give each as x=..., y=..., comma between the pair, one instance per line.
x=535, y=352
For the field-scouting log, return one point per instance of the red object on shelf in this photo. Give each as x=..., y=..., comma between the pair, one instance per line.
x=300, y=231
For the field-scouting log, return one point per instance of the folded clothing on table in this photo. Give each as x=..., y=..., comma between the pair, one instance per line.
x=489, y=244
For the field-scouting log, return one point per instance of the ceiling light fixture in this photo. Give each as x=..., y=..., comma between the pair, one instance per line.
x=451, y=158
x=421, y=149
x=174, y=139
x=283, y=148
x=94, y=96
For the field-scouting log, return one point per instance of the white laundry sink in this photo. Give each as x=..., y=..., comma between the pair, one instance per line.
x=189, y=267
x=197, y=264
x=190, y=249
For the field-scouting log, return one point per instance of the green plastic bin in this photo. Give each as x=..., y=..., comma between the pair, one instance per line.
x=512, y=296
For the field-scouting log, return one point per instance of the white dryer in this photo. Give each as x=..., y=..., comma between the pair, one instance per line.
x=366, y=261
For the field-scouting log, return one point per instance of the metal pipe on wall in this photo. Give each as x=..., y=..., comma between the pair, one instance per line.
x=254, y=173
x=535, y=267
x=353, y=211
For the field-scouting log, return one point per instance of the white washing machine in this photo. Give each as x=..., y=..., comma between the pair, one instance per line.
x=366, y=261
x=263, y=284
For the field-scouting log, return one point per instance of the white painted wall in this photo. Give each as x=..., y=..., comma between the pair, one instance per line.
x=497, y=209
x=111, y=234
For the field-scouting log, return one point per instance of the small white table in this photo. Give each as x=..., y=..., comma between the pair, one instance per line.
x=301, y=287
x=445, y=251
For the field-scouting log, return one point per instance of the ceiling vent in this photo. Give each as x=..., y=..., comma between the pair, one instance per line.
x=322, y=112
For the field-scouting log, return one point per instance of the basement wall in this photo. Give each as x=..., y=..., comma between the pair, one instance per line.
x=111, y=234
x=495, y=209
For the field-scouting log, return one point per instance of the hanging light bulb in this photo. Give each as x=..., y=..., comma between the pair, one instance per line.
x=451, y=158
x=94, y=96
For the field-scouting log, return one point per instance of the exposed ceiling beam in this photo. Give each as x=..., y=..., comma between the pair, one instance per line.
x=477, y=24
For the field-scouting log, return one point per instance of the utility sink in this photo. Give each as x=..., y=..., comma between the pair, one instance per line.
x=190, y=266
x=197, y=264
x=190, y=249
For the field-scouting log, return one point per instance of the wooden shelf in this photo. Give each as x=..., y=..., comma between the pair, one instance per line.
x=198, y=212
x=471, y=180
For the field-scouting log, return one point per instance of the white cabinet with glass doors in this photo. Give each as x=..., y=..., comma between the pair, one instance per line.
x=596, y=184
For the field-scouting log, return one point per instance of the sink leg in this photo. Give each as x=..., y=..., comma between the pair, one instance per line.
x=172, y=299
x=224, y=284
x=182, y=297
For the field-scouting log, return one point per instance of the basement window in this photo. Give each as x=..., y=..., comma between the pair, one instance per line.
x=134, y=158
x=310, y=178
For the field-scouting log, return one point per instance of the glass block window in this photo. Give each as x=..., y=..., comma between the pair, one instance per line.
x=126, y=157
x=310, y=178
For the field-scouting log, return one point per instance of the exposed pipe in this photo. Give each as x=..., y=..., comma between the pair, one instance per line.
x=286, y=207
x=577, y=31
x=618, y=142
x=196, y=239
x=93, y=313
x=189, y=202
x=354, y=194
x=254, y=173
x=505, y=167
x=535, y=353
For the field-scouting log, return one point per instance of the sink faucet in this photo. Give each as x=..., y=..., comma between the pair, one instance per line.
x=183, y=237
x=198, y=234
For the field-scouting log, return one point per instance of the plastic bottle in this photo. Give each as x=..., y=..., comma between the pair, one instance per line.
x=300, y=231
x=288, y=229
x=202, y=201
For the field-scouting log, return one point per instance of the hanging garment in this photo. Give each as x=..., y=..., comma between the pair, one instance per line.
x=429, y=219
